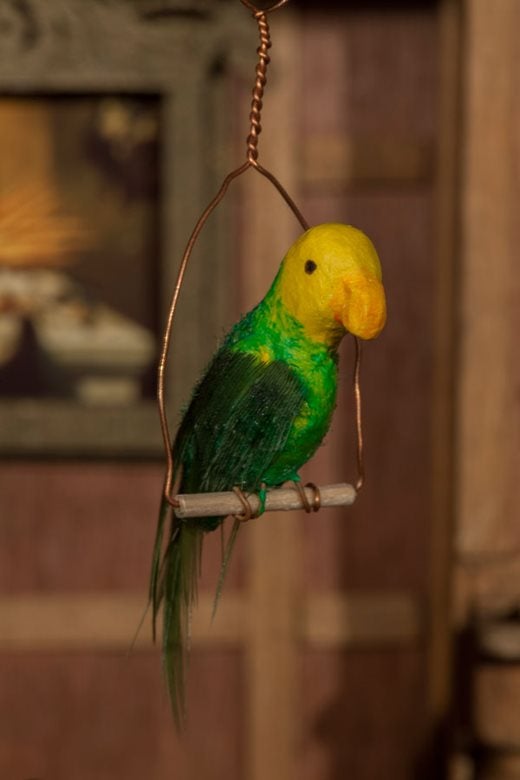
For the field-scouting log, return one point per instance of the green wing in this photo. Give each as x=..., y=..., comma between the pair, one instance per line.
x=237, y=422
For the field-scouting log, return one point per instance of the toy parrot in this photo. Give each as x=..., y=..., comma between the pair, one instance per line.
x=263, y=406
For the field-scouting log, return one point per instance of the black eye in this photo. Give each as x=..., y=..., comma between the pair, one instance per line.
x=310, y=267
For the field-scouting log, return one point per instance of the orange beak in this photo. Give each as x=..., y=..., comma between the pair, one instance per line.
x=363, y=312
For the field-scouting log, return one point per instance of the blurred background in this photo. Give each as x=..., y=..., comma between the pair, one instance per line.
x=378, y=641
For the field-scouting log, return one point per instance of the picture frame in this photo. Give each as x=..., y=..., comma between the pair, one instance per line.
x=173, y=54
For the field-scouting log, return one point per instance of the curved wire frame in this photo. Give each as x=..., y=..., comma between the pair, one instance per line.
x=251, y=162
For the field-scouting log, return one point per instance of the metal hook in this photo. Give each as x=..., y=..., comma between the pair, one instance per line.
x=259, y=12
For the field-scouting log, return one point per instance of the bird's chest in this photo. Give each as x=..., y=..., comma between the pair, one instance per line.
x=312, y=422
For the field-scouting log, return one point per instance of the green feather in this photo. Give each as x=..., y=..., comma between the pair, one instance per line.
x=179, y=591
x=250, y=422
x=262, y=408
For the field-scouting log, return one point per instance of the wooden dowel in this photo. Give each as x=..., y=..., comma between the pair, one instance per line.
x=279, y=499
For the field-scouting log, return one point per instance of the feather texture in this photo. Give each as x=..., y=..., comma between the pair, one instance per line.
x=262, y=408
x=239, y=417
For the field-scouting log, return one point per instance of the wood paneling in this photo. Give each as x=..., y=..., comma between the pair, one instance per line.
x=497, y=703
x=358, y=706
x=447, y=251
x=366, y=620
x=76, y=526
x=489, y=405
x=337, y=162
x=99, y=716
x=109, y=621
x=272, y=692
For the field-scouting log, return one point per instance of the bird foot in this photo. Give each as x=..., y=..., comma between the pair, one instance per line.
x=310, y=506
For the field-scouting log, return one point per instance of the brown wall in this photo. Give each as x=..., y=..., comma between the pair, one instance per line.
x=349, y=654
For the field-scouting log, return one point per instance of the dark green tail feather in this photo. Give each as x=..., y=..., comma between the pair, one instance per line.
x=177, y=590
x=173, y=585
x=155, y=592
x=167, y=589
x=226, y=557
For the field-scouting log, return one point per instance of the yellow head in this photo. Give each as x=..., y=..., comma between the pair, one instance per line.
x=330, y=281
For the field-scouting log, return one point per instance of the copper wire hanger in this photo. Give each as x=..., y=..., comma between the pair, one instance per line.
x=251, y=162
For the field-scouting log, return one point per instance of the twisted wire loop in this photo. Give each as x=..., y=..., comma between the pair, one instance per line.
x=255, y=129
x=258, y=90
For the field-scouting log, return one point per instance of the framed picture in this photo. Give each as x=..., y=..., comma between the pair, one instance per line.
x=110, y=145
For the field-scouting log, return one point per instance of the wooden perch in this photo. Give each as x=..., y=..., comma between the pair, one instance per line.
x=279, y=499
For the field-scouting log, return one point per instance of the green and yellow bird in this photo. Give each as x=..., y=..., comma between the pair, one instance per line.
x=263, y=405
